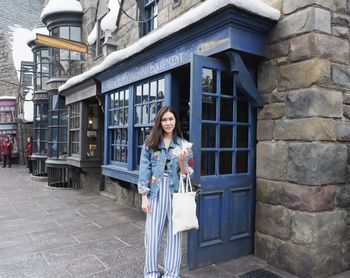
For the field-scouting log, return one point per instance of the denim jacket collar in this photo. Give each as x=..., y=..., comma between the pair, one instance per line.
x=175, y=142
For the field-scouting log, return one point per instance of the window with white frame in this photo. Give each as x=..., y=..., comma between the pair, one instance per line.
x=150, y=12
x=118, y=125
x=74, y=128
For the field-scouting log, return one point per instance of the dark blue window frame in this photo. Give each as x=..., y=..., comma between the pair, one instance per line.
x=151, y=12
x=138, y=100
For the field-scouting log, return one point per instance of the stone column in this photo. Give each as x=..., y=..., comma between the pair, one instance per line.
x=303, y=195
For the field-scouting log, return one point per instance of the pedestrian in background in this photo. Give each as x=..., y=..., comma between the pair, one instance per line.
x=7, y=147
x=28, y=153
x=162, y=162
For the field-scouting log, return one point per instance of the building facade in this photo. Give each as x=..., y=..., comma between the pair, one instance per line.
x=262, y=92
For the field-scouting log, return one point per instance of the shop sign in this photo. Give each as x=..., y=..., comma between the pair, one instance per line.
x=61, y=43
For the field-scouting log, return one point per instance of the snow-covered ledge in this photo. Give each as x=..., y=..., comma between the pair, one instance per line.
x=57, y=6
x=192, y=16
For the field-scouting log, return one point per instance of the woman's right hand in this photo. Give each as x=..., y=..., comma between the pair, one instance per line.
x=145, y=205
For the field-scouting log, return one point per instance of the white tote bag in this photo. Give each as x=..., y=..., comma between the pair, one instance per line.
x=184, y=208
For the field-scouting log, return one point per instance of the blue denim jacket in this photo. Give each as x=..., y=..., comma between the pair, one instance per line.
x=152, y=164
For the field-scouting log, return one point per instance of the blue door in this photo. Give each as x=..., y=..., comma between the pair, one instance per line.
x=222, y=128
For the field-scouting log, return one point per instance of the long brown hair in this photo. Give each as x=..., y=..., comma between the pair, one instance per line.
x=154, y=139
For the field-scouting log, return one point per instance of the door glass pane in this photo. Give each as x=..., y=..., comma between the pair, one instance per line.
x=209, y=80
x=145, y=90
x=208, y=163
x=242, y=112
x=208, y=136
x=227, y=83
x=138, y=94
x=153, y=111
x=153, y=92
x=209, y=108
x=225, y=163
x=242, y=136
x=138, y=115
x=242, y=162
x=161, y=89
x=226, y=110
x=226, y=135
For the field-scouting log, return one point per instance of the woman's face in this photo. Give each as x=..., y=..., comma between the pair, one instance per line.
x=168, y=122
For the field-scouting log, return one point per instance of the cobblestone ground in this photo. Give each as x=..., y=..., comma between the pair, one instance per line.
x=72, y=233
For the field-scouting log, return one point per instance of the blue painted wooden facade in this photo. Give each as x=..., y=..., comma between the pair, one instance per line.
x=207, y=72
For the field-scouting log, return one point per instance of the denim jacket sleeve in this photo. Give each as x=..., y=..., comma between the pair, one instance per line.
x=145, y=171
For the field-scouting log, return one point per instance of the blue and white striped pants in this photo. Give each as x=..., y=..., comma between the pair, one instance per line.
x=161, y=212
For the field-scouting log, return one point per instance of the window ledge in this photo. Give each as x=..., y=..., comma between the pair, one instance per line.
x=120, y=173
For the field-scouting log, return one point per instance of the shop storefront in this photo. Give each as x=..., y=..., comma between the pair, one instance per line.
x=208, y=74
x=85, y=126
x=8, y=123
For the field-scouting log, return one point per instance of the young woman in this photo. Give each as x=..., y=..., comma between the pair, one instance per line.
x=164, y=157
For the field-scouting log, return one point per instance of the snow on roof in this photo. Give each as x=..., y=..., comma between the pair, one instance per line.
x=20, y=50
x=41, y=30
x=109, y=22
x=56, y=6
x=193, y=15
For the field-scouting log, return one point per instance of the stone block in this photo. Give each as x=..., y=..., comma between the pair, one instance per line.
x=295, y=259
x=272, y=160
x=309, y=129
x=267, y=77
x=290, y=6
x=278, y=97
x=343, y=131
x=317, y=164
x=343, y=196
x=346, y=109
x=314, y=102
x=341, y=19
x=319, y=45
x=346, y=98
x=273, y=220
x=340, y=31
x=341, y=75
x=266, y=247
x=268, y=191
x=265, y=130
x=304, y=21
x=345, y=255
x=271, y=111
x=315, y=230
x=308, y=198
x=304, y=74
x=277, y=50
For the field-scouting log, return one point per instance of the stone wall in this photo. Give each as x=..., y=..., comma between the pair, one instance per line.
x=8, y=76
x=303, y=191
x=128, y=31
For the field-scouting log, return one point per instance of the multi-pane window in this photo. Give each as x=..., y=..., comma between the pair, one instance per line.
x=149, y=99
x=118, y=125
x=226, y=124
x=40, y=128
x=146, y=99
x=66, y=63
x=151, y=16
x=57, y=127
x=74, y=128
x=8, y=114
x=42, y=63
